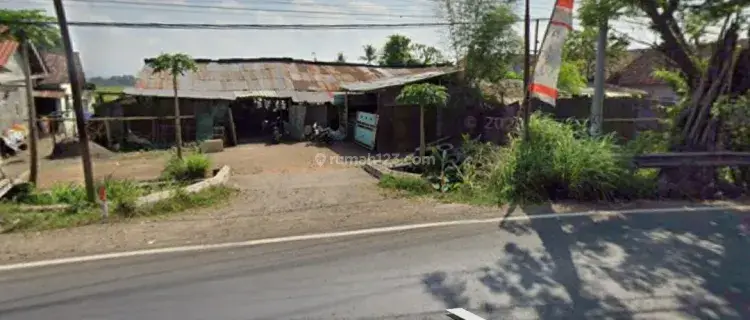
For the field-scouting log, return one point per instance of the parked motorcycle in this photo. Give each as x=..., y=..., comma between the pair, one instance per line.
x=276, y=128
x=320, y=134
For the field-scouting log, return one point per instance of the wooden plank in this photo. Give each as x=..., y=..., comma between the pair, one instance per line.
x=232, y=127
x=109, y=134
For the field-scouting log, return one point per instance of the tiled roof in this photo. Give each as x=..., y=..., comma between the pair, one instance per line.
x=640, y=70
x=7, y=48
x=273, y=74
x=57, y=68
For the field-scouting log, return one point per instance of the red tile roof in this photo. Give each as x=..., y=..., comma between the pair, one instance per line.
x=7, y=48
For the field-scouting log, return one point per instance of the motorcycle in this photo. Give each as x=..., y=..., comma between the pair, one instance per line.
x=320, y=134
x=277, y=129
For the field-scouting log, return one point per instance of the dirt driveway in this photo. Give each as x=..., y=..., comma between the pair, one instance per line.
x=244, y=159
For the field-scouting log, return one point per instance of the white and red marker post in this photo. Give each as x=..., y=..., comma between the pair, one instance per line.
x=549, y=58
x=103, y=201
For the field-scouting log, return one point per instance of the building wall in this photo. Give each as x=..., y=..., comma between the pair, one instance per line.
x=662, y=93
x=13, y=106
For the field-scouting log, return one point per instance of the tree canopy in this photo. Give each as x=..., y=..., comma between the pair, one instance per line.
x=423, y=95
x=173, y=63
x=370, y=54
x=44, y=36
x=340, y=57
x=488, y=48
x=397, y=51
x=580, y=49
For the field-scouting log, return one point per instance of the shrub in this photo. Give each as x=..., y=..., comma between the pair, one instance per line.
x=191, y=167
x=561, y=161
x=412, y=185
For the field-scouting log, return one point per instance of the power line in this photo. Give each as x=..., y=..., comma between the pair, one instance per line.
x=199, y=6
x=229, y=26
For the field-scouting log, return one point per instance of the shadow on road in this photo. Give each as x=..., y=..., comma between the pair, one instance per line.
x=693, y=265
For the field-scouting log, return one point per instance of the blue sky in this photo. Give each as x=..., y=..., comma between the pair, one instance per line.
x=115, y=51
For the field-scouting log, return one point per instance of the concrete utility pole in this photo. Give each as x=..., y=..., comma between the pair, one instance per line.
x=526, y=71
x=32, y=123
x=75, y=84
x=597, y=104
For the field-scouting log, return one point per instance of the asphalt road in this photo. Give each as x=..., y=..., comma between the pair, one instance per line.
x=688, y=265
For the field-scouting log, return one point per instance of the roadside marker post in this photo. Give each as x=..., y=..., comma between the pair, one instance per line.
x=103, y=201
x=462, y=314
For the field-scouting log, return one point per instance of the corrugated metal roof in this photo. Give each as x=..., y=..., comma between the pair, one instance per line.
x=296, y=96
x=396, y=81
x=168, y=93
x=272, y=74
x=57, y=68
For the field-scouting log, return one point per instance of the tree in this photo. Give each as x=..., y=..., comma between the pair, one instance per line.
x=570, y=79
x=681, y=24
x=580, y=49
x=174, y=64
x=340, y=57
x=427, y=54
x=423, y=95
x=44, y=35
x=397, y=52
x=706, y=70
x=487, y=48
x=370, y=54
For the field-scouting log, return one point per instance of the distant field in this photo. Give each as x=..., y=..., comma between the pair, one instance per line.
x=109, y=92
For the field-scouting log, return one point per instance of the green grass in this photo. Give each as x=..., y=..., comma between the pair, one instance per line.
x=562, y=162
x=13, y=219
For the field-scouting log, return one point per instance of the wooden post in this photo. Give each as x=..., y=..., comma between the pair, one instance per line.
x=32, y=123
x=109, y=134
x=232, y=128
x=345, y=117
x=83, y=136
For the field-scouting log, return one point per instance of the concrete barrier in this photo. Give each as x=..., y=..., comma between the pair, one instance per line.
x=221, y=178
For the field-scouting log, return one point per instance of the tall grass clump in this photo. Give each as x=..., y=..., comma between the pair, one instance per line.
x=561, y=162
x=191, y=167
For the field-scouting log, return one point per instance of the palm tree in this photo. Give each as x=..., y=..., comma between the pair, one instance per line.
x=371, y=54
x=43, y=35
x=174, y=64
x=423, y=95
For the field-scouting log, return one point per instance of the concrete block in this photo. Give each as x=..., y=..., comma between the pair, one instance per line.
x=212, y=145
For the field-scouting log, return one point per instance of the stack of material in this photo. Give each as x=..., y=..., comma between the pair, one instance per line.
x=69, y=148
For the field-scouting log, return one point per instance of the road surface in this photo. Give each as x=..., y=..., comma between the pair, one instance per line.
x=689, y=265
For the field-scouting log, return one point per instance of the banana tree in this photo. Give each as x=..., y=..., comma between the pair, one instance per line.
x=424, y=95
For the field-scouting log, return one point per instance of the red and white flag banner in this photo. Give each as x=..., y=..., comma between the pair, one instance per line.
x=549, y=58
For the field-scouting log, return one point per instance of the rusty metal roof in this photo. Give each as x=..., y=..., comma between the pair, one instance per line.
x=296, y=96
x=57, y=68
x=364, y=86
x=281, y=75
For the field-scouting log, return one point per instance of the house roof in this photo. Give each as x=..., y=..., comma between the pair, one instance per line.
x=57, y=68
x=640, y=69
x=268, y=75
x=7, y=48
x=377, y=84
x=643, y=62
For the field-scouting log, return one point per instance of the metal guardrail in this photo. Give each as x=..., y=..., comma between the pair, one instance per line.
x=693, y=159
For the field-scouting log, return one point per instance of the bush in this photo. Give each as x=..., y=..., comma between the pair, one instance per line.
x=562, y=161
x=191, y=167
x=412, y=185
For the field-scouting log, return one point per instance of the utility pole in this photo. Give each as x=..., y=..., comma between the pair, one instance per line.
x=526, y=71
x=597, y=104
x=75, y=84
x=536, y=37
x=32, y=123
